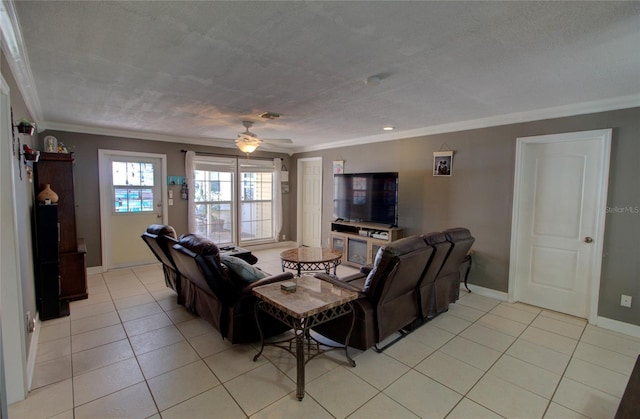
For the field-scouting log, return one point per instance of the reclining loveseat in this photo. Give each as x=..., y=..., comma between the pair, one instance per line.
x=411, y=281
x=160, y=238
x=388, y=300
x=220, y=291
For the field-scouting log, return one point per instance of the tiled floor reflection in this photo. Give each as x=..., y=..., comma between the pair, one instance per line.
x=130, y=351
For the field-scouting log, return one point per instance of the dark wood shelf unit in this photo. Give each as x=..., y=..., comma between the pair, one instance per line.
x=56, y=169
x=47, y=272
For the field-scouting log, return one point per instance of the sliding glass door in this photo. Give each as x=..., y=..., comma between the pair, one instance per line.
x=229, y=211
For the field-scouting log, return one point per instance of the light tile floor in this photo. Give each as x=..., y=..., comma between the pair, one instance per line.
x=129, y=351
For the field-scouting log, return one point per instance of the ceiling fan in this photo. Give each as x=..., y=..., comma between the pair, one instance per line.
x=248, y=142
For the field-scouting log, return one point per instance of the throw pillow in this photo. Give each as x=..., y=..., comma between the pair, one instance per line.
x=241, y=270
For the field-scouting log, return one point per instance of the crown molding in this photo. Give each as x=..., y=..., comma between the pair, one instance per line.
x=622, y=102
x=151, y=136
x=18, y=59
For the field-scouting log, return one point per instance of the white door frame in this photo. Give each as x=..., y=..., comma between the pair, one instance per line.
x=13, y=368
x=105, y=196
x=300, y=180
x=596, y=261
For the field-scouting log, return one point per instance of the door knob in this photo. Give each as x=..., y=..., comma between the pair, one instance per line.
x=588, y=239
x=159, y=216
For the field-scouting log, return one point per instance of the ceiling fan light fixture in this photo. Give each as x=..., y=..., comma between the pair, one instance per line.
x=247, y=143
x=246, y=147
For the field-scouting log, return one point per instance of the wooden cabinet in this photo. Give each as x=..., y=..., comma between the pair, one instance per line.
x=47, y=264
x=56, y=169
x=359, y=242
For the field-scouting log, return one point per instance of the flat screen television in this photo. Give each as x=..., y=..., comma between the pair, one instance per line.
x=366, y=197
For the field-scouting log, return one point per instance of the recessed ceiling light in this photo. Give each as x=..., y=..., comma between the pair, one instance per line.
x=388, y=128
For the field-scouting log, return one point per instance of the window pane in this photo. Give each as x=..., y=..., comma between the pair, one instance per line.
x=146, y=174
x=264, y=186
x=215, y=222
x=214, y=196
x=257, y=220
x=133, y=199
x=119, y=170
x=213, y=186
x=146, y=197
x=121, y=200
x=132, y=173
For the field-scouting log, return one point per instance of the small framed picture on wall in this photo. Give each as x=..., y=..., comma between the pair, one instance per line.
x=442, y=163
x=338, y=167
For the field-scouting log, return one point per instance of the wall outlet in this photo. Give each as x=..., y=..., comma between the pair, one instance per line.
x=625, y=300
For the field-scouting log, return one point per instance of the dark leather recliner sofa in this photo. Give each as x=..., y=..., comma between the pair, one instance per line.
x=412, y=280
x=447, y=283
x=160, y=238
x=426, y=287
x=389, y=294
x=213, y=292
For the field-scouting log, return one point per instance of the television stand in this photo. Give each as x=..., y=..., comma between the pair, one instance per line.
x=359, y=241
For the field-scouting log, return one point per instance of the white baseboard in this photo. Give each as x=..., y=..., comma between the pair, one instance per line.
x=271, y=245
x=603, y=322
x=33, y=352
x=485, y=292
x=618, y=326
x=94, y=270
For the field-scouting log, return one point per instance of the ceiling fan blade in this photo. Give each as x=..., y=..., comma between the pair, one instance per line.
x=277, y=140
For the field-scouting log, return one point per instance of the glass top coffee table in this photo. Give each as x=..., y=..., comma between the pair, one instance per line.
x=313, y=302
x=309, y=259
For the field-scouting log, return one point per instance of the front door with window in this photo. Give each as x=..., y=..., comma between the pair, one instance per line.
x=131, y=199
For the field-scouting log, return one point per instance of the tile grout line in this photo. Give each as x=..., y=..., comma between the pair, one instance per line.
x=539, y=315
x=564, y=372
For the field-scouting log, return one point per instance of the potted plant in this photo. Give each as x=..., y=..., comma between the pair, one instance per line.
x=26, y=127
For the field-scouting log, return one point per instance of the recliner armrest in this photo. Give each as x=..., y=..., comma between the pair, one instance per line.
x=341, y=282
x=284, y=276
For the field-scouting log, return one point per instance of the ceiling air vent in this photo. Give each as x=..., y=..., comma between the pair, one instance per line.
x=270, y=115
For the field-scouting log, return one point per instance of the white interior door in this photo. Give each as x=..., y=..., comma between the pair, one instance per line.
x=558, y=221
x=132, y=197
x=310, y=202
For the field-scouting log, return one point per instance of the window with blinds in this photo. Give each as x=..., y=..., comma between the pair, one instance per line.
x=234, y=199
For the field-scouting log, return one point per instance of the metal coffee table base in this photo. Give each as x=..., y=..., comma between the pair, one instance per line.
x=302, y=337
x=300, y=267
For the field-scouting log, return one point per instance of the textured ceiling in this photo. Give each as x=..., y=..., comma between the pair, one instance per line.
x=197, y=69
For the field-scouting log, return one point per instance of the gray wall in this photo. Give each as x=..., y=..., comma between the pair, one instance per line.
x=85, y=147
x=479, y=195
